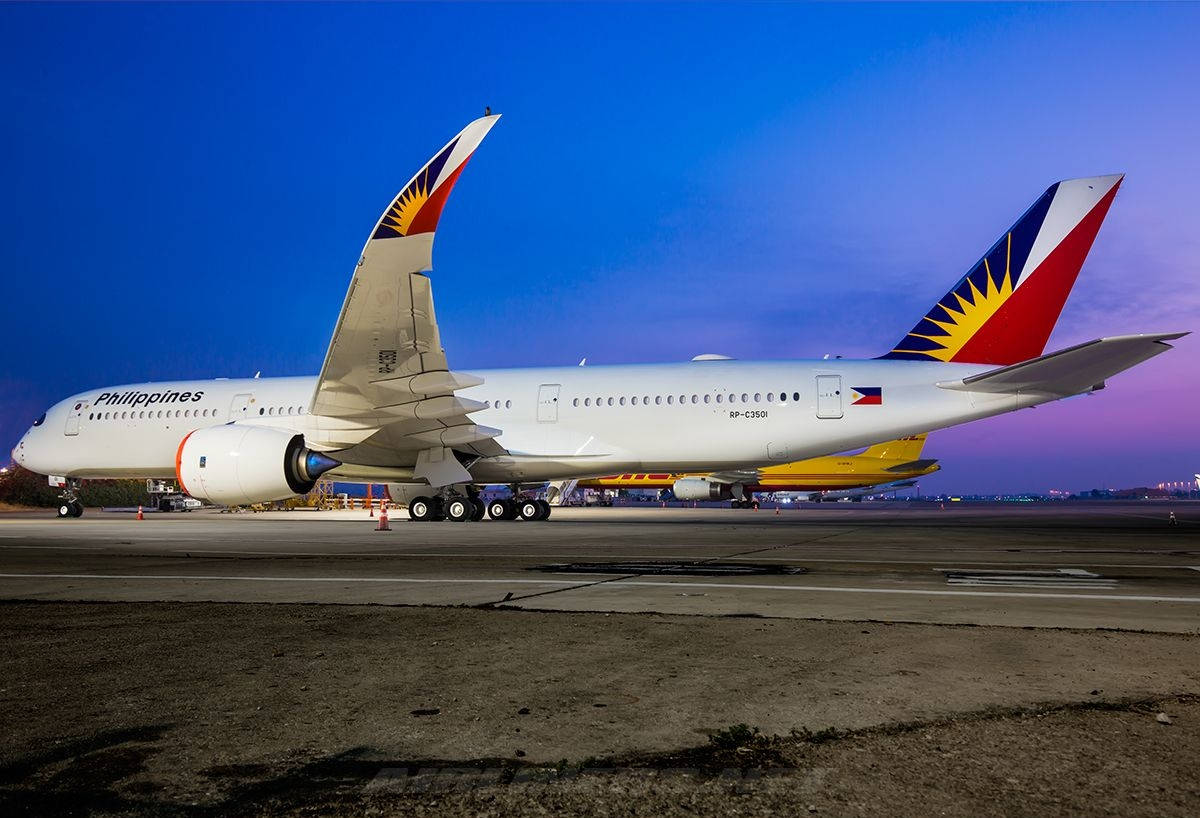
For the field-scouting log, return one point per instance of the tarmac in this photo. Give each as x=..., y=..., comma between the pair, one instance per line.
x=849, y=659
x=1076, y=565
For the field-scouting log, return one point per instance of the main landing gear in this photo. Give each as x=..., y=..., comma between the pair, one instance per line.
x=519, y=509
x=744, y=504
x=69, y=504
x=463, y=509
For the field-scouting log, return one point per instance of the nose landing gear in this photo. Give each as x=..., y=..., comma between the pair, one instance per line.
x=70, y=506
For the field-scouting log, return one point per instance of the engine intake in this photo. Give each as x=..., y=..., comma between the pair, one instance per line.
x=701, y=488
x=241, y=465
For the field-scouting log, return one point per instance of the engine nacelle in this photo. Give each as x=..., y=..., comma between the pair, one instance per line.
x=239, y=465
x=701, y=488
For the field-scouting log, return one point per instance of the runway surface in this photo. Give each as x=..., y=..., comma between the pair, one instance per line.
x=1085, y=565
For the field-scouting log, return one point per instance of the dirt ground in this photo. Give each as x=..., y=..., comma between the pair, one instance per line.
x=219, y=709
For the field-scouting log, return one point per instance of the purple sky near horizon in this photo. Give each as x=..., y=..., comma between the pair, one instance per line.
x=188, y=187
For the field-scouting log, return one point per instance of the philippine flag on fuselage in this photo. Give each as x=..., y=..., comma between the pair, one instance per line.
x=867, y=395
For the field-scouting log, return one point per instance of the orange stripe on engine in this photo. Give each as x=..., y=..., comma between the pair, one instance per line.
x=179, y=460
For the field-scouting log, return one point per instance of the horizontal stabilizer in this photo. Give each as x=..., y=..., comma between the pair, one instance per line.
x=912, y=465
x=1081, y=368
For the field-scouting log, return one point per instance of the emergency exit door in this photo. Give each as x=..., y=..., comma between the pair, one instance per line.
x=239, y=407
x=829, y=396
x=547, y=411
x=73, y=417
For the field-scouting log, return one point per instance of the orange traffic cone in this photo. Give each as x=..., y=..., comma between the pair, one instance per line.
x=140, y=515
x=371, y=506
x=383, y=520
x=777, y=510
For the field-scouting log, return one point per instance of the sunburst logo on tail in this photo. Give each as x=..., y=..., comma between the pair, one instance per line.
x=961, y=314
x=402, y=212
x=399, y=218
x=955, y=319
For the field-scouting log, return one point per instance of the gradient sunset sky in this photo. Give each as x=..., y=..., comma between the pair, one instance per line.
x=187, y=188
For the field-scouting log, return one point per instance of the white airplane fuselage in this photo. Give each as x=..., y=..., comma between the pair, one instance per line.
x=704, y=415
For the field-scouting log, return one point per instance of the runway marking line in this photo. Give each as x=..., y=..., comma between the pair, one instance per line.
x=619, y=583
x=551, y=555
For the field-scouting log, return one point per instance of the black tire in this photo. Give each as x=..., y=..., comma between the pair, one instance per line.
x=76, y=509
x=754, y=504
x=66, y=510
x=546, y=508
x=479, y=510
x=421, y=509
x=459, y=510
x=498, y=510
x=529, y=510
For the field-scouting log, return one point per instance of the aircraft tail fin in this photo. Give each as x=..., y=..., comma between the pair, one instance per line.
x=1003, y=310
x=903, y=449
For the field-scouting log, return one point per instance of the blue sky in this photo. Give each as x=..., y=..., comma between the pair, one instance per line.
x=188, y=187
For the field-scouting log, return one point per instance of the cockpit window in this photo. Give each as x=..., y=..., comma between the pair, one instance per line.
x=40, y=420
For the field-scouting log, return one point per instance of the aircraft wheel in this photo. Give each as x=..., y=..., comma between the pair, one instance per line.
x=459, y=510
x=754, y=504
x=478, y=509
x=545, y=507
x=499, y=509
x=65, y=510
x=76, y=509
x=529, y=510
x=421, y=509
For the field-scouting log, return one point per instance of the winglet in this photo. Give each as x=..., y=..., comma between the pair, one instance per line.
x=418, y=206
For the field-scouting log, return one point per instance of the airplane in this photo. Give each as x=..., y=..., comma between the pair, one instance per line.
x=387, y=407
x=881, y=466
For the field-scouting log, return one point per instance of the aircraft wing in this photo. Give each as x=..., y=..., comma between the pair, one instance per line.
x=732, y=476
x=385, y=369
x=1081, y=368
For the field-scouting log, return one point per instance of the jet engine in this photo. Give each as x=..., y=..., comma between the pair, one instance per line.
x=701, y=488
x=240, y=465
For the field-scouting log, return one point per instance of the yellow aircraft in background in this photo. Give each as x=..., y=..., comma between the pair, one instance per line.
x=880, y=466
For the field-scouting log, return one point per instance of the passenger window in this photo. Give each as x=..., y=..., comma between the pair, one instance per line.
x=770, y=397
x=796, y=396
x=670, y=398
x=706, y=399
x=695, y=399
x=587, y=401
x=508, y=404
x=722, y=397
x=658, y=400
x=575, y=402
x=622, y=400
x=633, y=400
